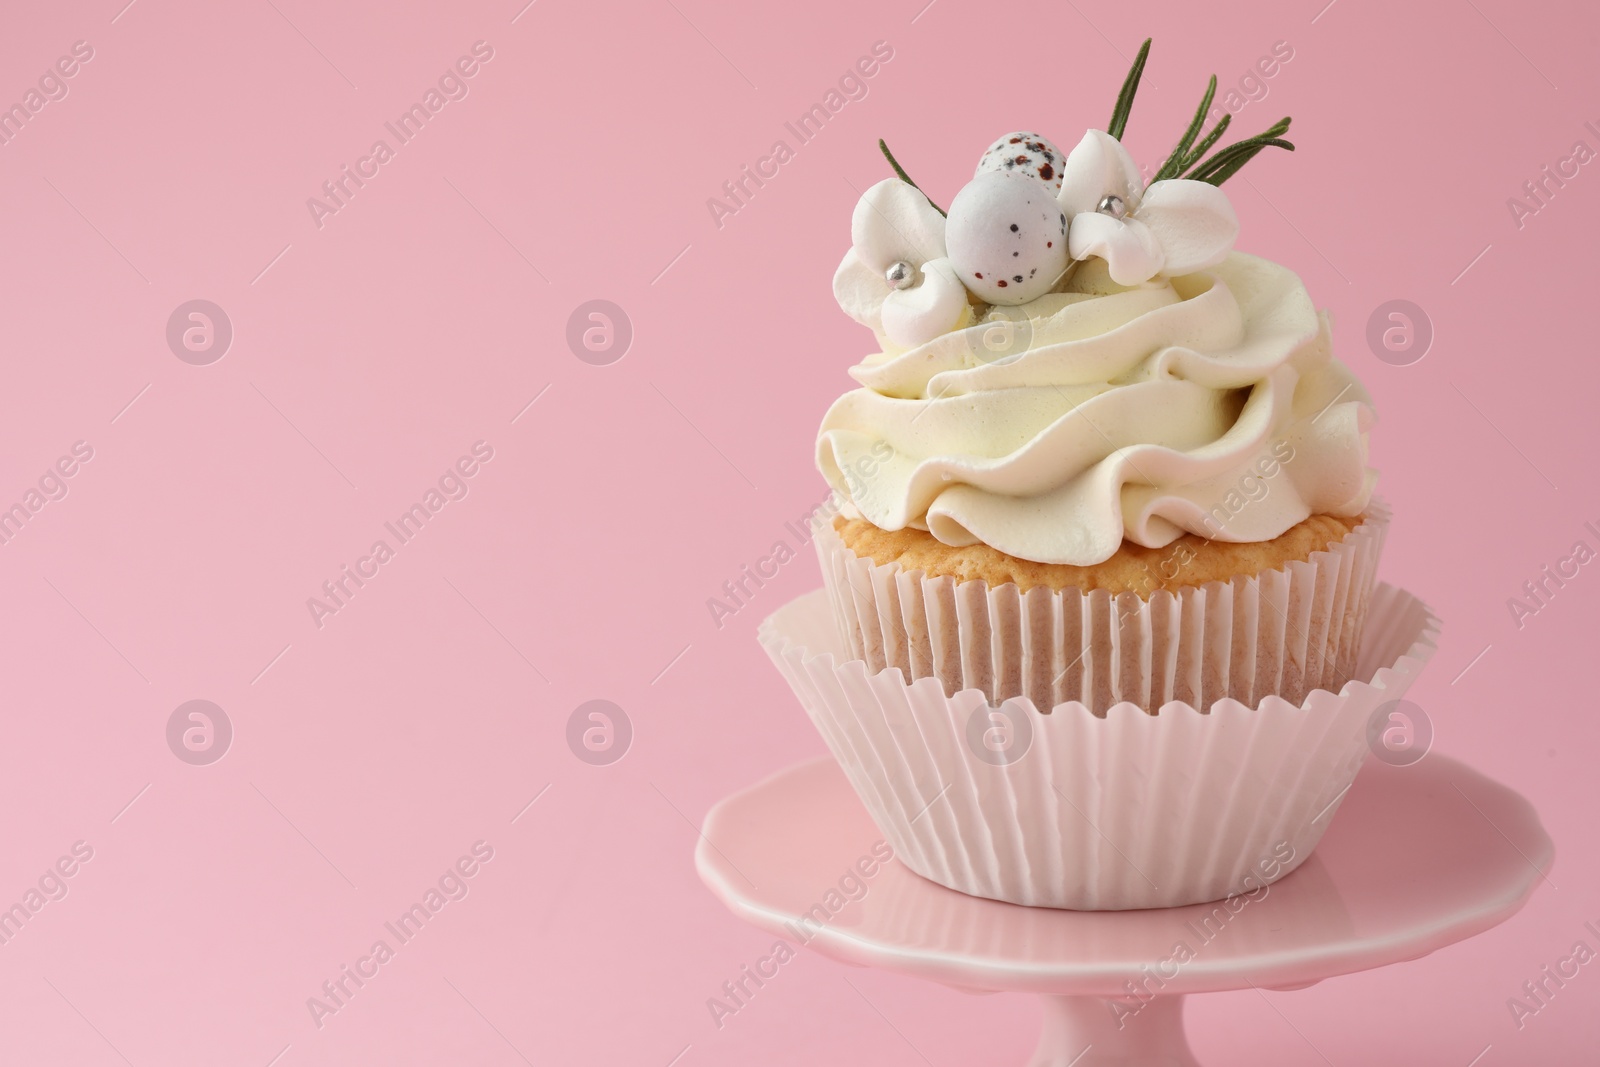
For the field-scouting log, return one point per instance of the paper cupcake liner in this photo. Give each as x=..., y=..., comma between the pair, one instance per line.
x=1285, y=632
x=1075, y=810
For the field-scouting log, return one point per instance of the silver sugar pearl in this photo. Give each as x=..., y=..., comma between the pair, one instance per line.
x=1113, y=206
x=900, y=275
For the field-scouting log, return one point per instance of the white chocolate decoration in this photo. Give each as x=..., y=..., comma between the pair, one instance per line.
x=930, y=307
x=1024, y=153
x=895, y=229
x=1007, y=238
x=1172, y=227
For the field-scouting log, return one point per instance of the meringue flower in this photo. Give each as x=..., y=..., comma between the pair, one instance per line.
x=895, y=223
x=1173, y=227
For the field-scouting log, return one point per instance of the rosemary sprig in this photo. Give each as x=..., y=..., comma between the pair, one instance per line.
x=1226, y=164
x=1130, y=86
x=1187, y=159
x=901, y=172
x=1205, y=144
x=1227, y=161
x=1180, y=151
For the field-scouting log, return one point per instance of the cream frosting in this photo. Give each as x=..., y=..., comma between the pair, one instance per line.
x=1209, y=402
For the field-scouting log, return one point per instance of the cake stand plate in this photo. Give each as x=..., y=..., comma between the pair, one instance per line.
x=1417, y=858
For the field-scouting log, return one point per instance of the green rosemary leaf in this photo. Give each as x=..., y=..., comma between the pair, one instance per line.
x=1226, y=163
x=1237, y=147
x=1277, y=129
x=1260, y=138
x=901, y=173
x=1174, y=162
x=1241, y=151
x=1130, y=86
x=1229, y=168
x=1204, y=146
x=1224, y=158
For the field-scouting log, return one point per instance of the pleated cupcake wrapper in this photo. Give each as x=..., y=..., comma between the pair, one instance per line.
x=1075, y=810
x=1284, y=632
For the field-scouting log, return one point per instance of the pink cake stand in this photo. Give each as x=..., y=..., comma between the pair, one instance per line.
x=1417, y=858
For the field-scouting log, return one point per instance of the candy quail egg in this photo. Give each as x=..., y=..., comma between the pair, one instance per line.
x=1007, y=238
x=1024, y=153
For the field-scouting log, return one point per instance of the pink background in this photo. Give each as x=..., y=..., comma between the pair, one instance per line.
x=424, y=316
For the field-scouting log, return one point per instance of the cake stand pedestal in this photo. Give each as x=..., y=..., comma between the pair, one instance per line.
x=1417, y=858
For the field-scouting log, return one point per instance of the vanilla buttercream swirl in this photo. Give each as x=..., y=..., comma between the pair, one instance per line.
x=1209, y=403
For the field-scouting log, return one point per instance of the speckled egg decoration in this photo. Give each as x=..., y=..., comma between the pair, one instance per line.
x=1024, y=153
x=1007, y=239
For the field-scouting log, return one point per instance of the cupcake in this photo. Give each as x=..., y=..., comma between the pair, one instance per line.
x=1102, y=468
x=1128, y=447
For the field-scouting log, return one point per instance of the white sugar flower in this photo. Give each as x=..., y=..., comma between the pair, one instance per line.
x=1173, y=227
x=896, y=278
